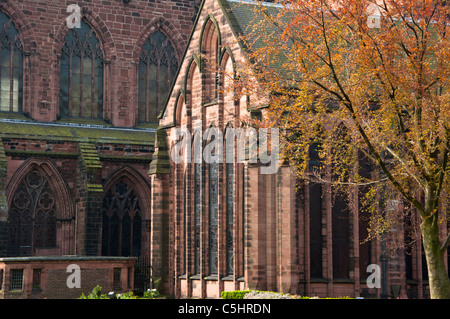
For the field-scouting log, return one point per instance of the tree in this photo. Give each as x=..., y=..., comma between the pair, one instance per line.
x=361, y=80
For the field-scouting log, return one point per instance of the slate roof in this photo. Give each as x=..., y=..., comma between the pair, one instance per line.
x=13, y=128
x=242, y=15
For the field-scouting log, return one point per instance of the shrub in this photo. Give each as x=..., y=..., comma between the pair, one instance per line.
x=95, y=294
x=235, y=294
x=127, y=295
x=150, y=294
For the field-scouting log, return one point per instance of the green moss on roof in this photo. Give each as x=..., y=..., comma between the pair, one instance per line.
x=83, y=121
x=161, y=162
x=48, y=131
x=13, y=115
x=94, y=188
x=89, y=156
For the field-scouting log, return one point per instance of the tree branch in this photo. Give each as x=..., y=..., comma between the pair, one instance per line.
x=405, y=166
x=445, y=244
x=442, y=172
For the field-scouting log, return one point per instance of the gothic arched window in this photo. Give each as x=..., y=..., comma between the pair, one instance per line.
x=122, y=222
x=213, y=218
x=197, y=214
x=32, y=216
x=185, y=220
x=315, y=216
x=341, y=218
x=11, y=66
x=81, y=74
x=157, y=70
x=210, y=48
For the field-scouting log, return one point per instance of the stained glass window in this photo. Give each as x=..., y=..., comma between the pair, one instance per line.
x=11, y=66
x=157, y=70
x=341, y=215
x=315, y=217
x=341, y=236
x=122, y=222
x=210, y=45
x=365, y=246
x=213, y=217
x=81, y=74
x=32, y=216
x=197, y=214
x=409, y=243
x=229, y=217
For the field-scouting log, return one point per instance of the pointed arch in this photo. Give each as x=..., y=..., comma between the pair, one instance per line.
x=192, y=66
x=58, y=184
x=81, y=74
x=209, y=47
x=226, y=54
x=184, y=92
x=227, y=64
x=26, y=31
x=193, y=98
x=126, y=211
x=11, y=65
x=41, y=210
x=179, y=114
x=210, y=37
x=227, y=92
x=166, y=27
x=157, y=69
x=176, y=41
x=101, y=89
x=133, y=177
x=97, y=24
x=18, y=97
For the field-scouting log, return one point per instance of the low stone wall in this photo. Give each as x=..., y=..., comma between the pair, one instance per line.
x=65, y=277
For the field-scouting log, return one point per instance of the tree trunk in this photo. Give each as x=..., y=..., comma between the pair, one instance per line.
x=437, y=273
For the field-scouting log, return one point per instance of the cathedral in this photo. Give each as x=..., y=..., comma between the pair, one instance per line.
x=91, y=98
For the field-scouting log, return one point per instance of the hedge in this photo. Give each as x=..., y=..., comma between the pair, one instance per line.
x=235, y=294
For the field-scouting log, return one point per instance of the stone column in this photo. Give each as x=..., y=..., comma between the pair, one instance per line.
x=287, y=247
x=255, y=212
x=161, y=234
x=90, y=193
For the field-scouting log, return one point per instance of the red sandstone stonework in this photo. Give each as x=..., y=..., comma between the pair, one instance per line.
x=83, y=159
x=270, y=234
